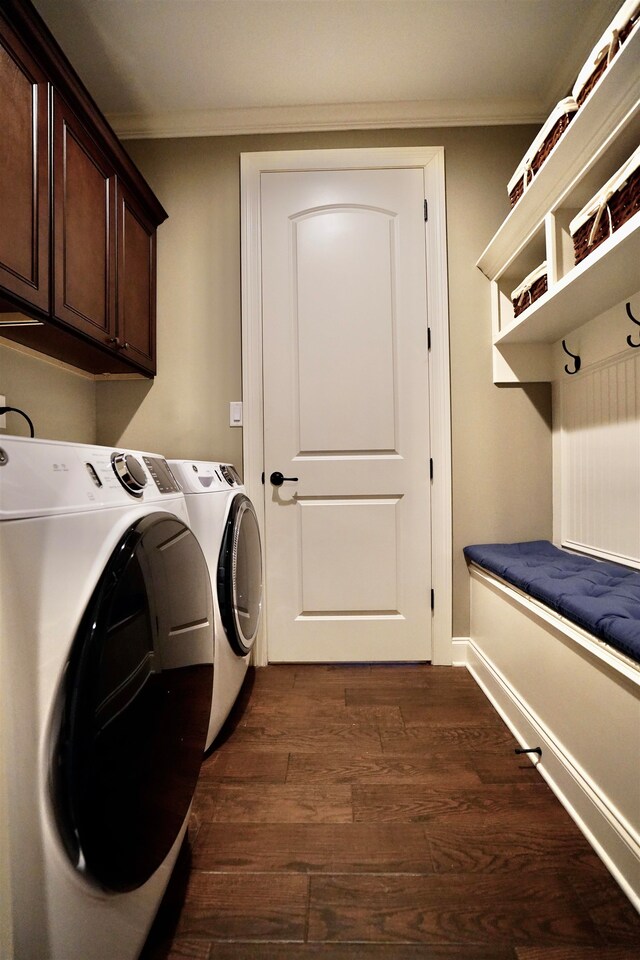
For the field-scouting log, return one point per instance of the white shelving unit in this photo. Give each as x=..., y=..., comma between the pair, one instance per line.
x=601, y=137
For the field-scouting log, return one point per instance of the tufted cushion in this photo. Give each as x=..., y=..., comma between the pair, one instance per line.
x=602, y=598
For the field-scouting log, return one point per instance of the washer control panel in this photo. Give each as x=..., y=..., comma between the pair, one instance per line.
x=205, y=476
x=161, y=474
x=39, y=477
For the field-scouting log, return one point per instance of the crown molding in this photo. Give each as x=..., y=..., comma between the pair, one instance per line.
x=340, y=116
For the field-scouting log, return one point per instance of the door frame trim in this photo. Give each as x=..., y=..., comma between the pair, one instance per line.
x=431, y=160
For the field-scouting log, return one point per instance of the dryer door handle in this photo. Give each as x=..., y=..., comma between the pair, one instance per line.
x=277, y=479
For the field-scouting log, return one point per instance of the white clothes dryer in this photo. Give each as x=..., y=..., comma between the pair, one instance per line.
x=105, y=694
x=224, y=521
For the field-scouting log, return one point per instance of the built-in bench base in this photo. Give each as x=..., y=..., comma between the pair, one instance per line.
x=561, y=690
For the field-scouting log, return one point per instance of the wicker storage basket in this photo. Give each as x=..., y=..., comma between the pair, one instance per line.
x=605, y=213
x=625, y=21
x=531, y=288
x=547, y=138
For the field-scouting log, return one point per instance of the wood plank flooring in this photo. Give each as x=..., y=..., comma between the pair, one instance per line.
x=380, y=813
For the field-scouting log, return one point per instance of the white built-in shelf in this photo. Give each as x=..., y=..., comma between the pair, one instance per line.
x=603, y=125
x=601, y=137
x=608, y=275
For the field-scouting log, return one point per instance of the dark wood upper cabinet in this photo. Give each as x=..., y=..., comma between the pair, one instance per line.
x=136, y=302
x=84, y=229
x=24, y=174
x=83, y=262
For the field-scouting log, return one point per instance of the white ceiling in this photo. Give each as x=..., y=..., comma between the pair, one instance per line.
x=180, y=67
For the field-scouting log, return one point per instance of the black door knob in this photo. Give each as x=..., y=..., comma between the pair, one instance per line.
x=277, y=479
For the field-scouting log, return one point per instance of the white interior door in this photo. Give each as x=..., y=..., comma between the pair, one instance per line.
x=346, y=412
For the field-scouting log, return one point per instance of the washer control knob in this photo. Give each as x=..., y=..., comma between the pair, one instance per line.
x=129, y=472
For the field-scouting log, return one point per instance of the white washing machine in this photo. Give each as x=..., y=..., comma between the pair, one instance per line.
x=106, y=642
x=224, y=521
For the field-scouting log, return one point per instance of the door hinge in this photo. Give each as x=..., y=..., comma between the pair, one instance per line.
x=426, y=211
x=433, y=599
x=428, y=338
x=430, y=468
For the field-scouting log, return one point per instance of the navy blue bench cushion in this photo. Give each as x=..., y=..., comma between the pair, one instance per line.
x=602, y=598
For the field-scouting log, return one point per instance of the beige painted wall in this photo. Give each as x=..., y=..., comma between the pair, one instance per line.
x=501, y=436
x=61, y=404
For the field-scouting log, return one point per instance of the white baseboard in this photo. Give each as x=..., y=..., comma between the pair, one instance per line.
x=459, y=651
x=616, y=843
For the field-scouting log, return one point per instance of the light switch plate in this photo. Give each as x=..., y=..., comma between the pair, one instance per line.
x=235, y=413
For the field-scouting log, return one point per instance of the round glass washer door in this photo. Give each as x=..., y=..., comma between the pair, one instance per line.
x=135, y=706
x=240, y=576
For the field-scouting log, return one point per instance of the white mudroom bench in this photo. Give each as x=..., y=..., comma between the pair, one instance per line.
x=555, y=645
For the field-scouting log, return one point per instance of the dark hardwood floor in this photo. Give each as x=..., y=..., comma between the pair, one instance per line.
x=380, y=813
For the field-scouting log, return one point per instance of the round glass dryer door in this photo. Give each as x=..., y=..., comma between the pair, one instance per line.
x=240, y=576
x=135, y=706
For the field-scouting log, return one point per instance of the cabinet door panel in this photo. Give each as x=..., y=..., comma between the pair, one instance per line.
x=136, y=282
x=84, y=234
x=24, y=208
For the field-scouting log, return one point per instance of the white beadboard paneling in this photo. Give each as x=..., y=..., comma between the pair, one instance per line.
x=601, y=459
